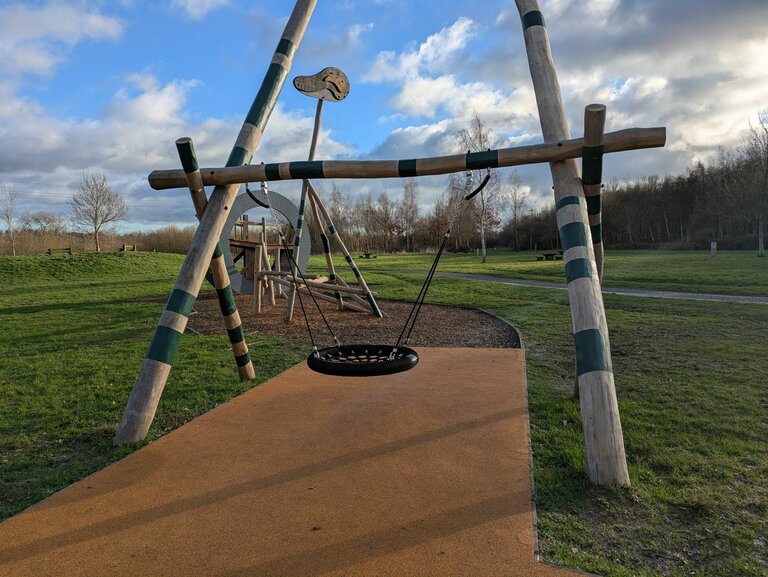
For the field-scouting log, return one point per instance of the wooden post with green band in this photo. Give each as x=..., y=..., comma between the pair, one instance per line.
x=218, y=268
x=592, y=176
x=603, y=440
x=145, y=396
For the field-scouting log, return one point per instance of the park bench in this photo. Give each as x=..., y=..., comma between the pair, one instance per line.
x=551, y=255
x=51, y=251
x=128, y=247
x=368, y=255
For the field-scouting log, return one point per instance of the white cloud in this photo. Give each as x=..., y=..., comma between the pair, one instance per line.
x=198, y=9
x=430, y=56
x=135, y=135
x=33, y=40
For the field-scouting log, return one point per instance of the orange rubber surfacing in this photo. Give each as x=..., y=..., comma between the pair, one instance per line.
x=419, y=473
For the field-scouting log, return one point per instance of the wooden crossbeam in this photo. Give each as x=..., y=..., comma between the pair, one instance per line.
x=619, y=141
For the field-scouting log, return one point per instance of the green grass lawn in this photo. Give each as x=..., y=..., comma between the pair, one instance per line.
x=74, y=332
x=690, y=378
x=738, y=273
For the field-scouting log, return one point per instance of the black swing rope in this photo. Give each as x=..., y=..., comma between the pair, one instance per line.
x=367, y=359
x=410, y=322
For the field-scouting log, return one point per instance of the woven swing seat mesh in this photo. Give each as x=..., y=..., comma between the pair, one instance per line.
x=366, y=360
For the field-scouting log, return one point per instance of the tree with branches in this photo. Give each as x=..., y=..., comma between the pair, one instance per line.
x=514, y=199
x=408, y=211
x=43, y=223
x=474, y=138
x=96, y=206
x=8, y=196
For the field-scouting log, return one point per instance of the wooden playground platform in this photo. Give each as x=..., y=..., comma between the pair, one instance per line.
x=425, y=472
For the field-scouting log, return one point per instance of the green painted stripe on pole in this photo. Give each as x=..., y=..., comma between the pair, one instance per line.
x=594, y=204
x=579, y=268
x=302, y=205
x=592, y=165
x=348, y=258
x=165, y=343
x=243, y=360
x=485, y=159
x=326, y=244
x=406, y=168
x=272, y=171
x=566, y=201
x=226, y=300
x=372, y=302
x=306, y=169
x=217, y=253
x=573, y=234
x=356, y=271
x=332, y=229
x=592, y=352
x=187, y=156
x=236, y=335
x=533, y=18
x=262, y=106
x=597, y=233
x=180, y=302
x=286, y=47
x=239, y=157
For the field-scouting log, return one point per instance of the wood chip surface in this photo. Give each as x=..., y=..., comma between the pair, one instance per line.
x=436, y=326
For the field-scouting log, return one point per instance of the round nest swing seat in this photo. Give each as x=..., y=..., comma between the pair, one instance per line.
x=362, y=360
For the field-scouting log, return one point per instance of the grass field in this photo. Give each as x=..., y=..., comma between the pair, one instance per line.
x=690, y=378
x=74, y=332
x=739, y=273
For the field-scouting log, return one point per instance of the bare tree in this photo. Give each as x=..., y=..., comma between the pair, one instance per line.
x=408, y=212
x=43, y=223
x=385, y=219
x=477, y=137
x=8, y=196
x=514, y=199
x=96, y=206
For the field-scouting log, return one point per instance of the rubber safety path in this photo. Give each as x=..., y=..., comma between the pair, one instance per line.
x=425, y=472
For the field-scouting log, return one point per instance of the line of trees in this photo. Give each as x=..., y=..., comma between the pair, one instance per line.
x=725, y=200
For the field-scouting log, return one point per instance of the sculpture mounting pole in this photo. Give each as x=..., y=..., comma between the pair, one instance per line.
x=603, y=440
x=145, y=396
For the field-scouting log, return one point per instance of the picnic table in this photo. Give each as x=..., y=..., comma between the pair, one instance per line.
x=551, y=255
x=368, y=255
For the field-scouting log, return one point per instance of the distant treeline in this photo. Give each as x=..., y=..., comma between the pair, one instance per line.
x=724, y=201
x=34, y=240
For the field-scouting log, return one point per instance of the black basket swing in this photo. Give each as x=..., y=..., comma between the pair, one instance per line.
x=369, y=360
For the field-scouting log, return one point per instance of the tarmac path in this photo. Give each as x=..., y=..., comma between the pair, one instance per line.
x=606, y=290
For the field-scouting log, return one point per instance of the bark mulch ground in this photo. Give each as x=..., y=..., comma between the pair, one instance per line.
x=437, y=325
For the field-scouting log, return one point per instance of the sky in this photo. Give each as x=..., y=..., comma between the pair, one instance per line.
x=111, y=84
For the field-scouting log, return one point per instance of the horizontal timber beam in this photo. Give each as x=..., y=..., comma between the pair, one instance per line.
x=619, y=141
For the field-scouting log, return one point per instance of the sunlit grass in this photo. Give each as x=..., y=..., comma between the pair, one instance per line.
x=735, y=272
x=690, y=378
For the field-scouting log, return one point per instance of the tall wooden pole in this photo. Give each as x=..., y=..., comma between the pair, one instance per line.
x=219, y=273
x=145, y=396
x=302, y=208
x=329, y=266
x=592, y=177
x=603, y=440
